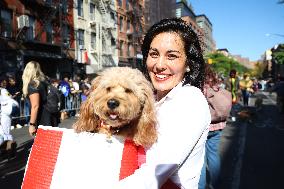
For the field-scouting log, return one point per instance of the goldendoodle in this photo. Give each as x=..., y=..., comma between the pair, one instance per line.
x=121, y=102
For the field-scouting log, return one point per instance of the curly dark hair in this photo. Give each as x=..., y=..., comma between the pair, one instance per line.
x=194, y=57
x=211, y=77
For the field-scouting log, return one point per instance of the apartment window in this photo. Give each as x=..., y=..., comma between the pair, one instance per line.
x=120, y=48
x=121, y=23
x=128, y=25
x=49, y=33
x=112, y=16
x=66, y=35
x=6, y=23
x=127, y=4
x=64, y=7
x=30, y=34
x=80, y=8
x=92, y=11
x=93, y=40
x=81, y=37
x=119, y=3
x=129, y=49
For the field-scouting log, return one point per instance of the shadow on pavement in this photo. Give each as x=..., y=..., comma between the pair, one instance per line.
x=12, y=170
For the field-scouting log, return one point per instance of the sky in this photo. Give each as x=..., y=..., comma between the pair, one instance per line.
x=242, y=26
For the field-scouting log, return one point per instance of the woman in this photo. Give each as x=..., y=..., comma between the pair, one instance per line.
x=220, y=104
x=173, y=62
x=34, y=88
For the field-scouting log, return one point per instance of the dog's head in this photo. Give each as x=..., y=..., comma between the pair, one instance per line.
x=121, y=98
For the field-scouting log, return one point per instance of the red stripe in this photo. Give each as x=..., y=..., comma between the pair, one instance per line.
x=129, y=162
x=42, y=159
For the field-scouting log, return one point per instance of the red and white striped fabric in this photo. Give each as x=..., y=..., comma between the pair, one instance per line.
x=61, y=158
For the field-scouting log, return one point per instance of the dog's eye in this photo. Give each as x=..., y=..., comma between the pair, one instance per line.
x=128, y=91
x=108, y=89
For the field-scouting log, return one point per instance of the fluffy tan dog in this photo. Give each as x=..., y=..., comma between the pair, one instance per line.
x=121, y=102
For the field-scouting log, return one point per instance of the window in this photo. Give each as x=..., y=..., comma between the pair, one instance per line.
x=128, y=25
x=92, y=11
x=127, y=5
x=81, y=37
x=119, y=3
x=129, y=49
x=120, y=48
x=49, y=33
x=6, y=23
x=93, y=40
x=30, y=35
x=66, y=35
x=120, y=23
x=80, y=8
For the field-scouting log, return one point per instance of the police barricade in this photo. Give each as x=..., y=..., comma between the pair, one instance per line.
x=72, y=105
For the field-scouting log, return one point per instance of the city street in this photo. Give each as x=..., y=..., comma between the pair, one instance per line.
x=252, y=150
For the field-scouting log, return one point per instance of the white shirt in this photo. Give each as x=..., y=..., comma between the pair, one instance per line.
x=183, y=123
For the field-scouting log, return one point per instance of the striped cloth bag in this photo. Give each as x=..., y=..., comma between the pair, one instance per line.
x=61, y=158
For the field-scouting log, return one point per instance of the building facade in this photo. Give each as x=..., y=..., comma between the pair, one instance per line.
x=37, y=30
x=204, y=23
x=96, y=33
x=184, y=11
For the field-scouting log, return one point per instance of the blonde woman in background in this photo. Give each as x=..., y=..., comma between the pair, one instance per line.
x=34, y=89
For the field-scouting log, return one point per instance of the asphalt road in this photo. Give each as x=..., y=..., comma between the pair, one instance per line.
x=252, y=150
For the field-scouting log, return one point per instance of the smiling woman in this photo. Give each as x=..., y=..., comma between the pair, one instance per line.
x=174, y=64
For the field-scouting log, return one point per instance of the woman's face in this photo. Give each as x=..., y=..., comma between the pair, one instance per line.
x=166, y=62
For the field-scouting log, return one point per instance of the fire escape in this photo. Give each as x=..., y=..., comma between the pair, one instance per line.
x=135, y=36
x=104, y=55
x=44, y=26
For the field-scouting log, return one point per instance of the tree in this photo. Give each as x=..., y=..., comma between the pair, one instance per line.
x=278, y=54
x=223, y=64
x=281, y=1
x=258, y=69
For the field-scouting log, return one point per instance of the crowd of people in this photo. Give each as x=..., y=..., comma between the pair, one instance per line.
x=24, y=103
x=193, y=104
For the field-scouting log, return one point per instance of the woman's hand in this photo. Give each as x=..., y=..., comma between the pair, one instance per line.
x=32, y=130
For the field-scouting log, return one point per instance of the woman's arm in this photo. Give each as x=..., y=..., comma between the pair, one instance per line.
x=34, y=99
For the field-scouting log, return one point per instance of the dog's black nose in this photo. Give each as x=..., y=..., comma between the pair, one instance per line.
x=112, y=103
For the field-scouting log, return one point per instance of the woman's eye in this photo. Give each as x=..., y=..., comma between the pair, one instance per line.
x=172, y=56
x=153, y=54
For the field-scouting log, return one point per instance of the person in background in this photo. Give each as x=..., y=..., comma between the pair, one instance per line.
x=220, y=103
x=85, y=92
x=65, y=88
x=174, y=64
x=3, y=81
x=246, y=85
x=34, y=88
x=232, y=85
x=278, y=87
x=14, y=89
x=7, y=105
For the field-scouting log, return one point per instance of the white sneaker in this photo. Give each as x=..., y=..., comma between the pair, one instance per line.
x=12, y=127
x=18, y=126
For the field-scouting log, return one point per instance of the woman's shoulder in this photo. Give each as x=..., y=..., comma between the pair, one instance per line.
x=190, y=90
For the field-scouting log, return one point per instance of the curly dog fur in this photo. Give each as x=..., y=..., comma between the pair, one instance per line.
x=121, y=102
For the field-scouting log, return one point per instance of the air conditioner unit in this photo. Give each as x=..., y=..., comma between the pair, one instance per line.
x=23, y=21
x=92, y=24
x=81, y=47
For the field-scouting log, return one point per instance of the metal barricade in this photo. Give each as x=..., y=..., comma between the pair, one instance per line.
x=72, y=106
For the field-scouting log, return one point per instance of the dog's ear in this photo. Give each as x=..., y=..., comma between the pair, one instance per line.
x=146, y=134
x=87, y=121
x=95, y=83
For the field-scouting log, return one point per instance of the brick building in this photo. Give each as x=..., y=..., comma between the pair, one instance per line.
x=37, y=30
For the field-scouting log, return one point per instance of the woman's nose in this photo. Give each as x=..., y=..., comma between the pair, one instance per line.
x=160, y=63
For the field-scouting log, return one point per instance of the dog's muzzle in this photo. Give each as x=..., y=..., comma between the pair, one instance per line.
x=112, y=103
